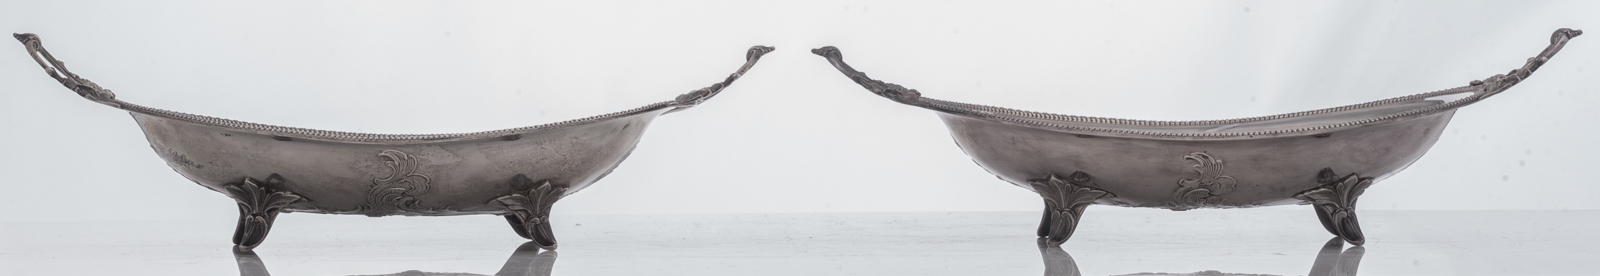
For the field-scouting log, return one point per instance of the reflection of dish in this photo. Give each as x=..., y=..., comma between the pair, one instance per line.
x=526, y=261
x=518, y=173
x=1323, y=157
x=1330, y=262
x=1056, y=261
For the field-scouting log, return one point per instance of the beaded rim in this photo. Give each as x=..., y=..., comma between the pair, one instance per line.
x=1064, y=122
x=93, y=92
x=1480, y=90
x=342, y=136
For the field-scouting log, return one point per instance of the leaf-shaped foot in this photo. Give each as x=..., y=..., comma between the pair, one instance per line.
x=1335, y=203
x=259, y=206
x=1065, y=200
x=529, y=212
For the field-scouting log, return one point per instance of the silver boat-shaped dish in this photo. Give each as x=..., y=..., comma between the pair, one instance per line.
x=1324, y=157
x=517, y=173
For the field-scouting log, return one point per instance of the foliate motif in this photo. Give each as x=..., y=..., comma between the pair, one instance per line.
x=1497, y=83
x=258, y=207
x=398, y=190
x=1335, y=203
x=698, y=96
x=1065, y=200
x=530, y=211
x=58, y=70
x=887, y=90
x=1208, y=189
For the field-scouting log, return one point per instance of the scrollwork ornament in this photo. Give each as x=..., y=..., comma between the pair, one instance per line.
x=1206, y=190
x=397, y=191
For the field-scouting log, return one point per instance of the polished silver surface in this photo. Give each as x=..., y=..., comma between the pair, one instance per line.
x=1324, y=157
x=518, y=173
x=1116, y=241
x=525, y=261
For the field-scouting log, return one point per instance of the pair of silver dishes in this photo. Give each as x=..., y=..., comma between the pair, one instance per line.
x=1324, y=157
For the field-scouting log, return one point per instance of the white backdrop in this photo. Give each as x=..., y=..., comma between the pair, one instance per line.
x=794, y=135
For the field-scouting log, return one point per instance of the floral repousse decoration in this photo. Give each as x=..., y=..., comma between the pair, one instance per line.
x=397, y=191
x=258, y=207
x=1335, y=203
x=530, y=211
x=1207, y=190
x=1064, y=200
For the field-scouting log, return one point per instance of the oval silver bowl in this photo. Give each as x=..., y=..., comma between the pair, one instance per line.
x=1324, y=157
x=517, y=173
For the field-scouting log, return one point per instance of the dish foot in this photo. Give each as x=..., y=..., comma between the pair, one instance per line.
x=530, y=211
x=259, y=206
x=1064, y=202
x=1335, y=203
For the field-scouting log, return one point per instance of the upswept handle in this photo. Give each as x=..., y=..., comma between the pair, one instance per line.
x=58, y=70
x=698, y=96
x=1499, y=83
x=887, y=90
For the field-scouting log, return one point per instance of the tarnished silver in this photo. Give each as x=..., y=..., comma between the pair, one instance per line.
x=1181, y=165
x=517, y=173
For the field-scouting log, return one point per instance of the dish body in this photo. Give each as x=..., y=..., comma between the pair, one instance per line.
x=518, y=173
x=1323, y=157
x=1259, y=169
x=406, y=177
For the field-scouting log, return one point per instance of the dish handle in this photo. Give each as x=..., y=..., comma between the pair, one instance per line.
x=1499, y=83
x=698, y=96
x=891, y=91
x=58, y=70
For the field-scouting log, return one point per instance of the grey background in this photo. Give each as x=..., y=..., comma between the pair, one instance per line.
x=793, y=135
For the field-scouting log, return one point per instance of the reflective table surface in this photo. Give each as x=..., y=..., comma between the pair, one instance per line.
x=1111, y=241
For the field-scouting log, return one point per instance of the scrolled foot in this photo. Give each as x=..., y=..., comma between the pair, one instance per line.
x=1335, y=203
x=1044, y=223
x=1065, y=201
x=259, y=205
x=529, y=212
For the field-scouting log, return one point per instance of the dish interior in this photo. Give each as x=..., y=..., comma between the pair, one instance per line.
x=1333, y=116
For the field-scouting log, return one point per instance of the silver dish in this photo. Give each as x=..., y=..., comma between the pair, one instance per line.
x=517, y=173
x=1324, y=157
